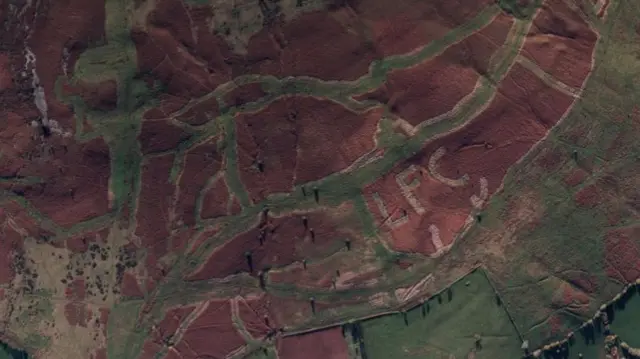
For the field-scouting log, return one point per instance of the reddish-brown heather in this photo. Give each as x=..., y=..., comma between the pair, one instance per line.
x=589, y=196
x=180, y=239
x=201, y=238
x=286, y=240
x=76, y=290
x=212, y=334
x=72, y=25
x=244, y=94
x=216, y=200
x=156, y=197
x=403, y=26
x=428, y=89
x=326, y=344
x=561, y=43
x=328, y=44
x=300, y=139
x=130, y=286
x=171, y=322
x=201, y=113
x=314, y=276
x=76, y=186
x=200, y=163
x=6, y=78
x=574, y=298
x=254, y=313
x=168, y=105
x=160, y=136
x=76, y=313
x=101, y=96
x=80, y=243
x=622, y=257
x=100, y=353
x=10, y=243
x=485, y=148
x=150, y=349
x=551, y=159
x=585, y=282
x=577, y=176
x=236, y=207
x=160, y=54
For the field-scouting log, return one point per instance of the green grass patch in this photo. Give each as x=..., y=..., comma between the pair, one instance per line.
x=626, y=318
x=466, y=319
x=232, y=173
x=124, y=339
x=262, y=353
x=520, y=9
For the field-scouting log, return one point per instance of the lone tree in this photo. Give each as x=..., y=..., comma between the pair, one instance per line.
x=347, y=243
x=312, y=233
x=249, y=258
x=312, y=301
x=477, y=340
x=574, y=155
x=260, y=165
x=405, y=318
x=304, y=191
x=304, y=263
x=261, y=278
x=316, y=194
x=305, y=221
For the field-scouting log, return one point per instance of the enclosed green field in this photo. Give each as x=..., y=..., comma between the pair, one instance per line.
x=466, y=318
x=624, y=322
